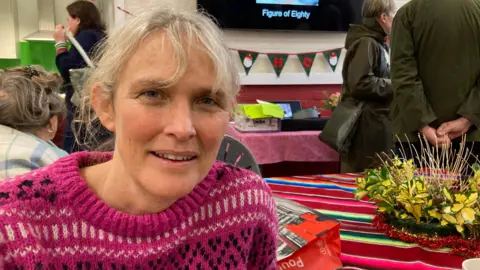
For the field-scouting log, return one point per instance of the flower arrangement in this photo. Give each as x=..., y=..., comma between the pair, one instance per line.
x=332, y=100
x=435, y=205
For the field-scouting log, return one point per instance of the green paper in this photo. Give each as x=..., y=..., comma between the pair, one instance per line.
x=278, y=61
x=332, y=58
x=258, y=111
x=248, y=59
x=306, y=59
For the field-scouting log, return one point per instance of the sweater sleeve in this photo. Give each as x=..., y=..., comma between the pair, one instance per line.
x=263, y=254
x=72, y=59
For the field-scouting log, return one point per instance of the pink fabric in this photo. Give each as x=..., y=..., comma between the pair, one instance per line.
x=274, y=147
x=50, y=219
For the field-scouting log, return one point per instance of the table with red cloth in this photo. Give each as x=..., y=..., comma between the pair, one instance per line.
x=275, y=147
x=362, y=245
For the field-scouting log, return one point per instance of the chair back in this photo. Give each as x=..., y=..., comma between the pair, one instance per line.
x=236, y=153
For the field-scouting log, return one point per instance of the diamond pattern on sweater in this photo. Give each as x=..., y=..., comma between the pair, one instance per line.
x=4, y=195
x=31, y=189
x=227, y=168
x=229, y=252
x=43, y=224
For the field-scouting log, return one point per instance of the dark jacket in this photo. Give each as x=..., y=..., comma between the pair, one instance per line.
x=366, y=78
x=72, y=59
x=435, y=65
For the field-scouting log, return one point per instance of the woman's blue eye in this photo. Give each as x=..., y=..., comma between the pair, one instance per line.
x=151, y=94
x=208, y=101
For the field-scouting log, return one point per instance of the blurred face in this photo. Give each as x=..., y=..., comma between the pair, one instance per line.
x=73, y=24
x=167, y=137
x=386, y=21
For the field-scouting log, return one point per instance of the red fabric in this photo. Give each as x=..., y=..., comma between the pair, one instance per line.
x=61, y=50
x=363, y=245
x=58, y=139
x=322, y=253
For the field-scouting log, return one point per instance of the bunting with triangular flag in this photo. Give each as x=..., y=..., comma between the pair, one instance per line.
x=332, y=57
x=278, y=61
x=248, y=59
x=306, y=59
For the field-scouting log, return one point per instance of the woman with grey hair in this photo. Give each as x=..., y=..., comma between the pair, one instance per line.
x=165, y=85
x=30, y=109
x=366, y=84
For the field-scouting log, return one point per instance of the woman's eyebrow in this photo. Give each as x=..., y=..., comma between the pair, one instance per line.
x=210, y=92
x=149, y=83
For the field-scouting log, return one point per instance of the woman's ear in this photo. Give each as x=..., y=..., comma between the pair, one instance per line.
x=53, y=124
x=102, y=104
x=51, y=130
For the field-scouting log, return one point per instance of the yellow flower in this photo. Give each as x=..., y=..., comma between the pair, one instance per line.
x=449, y=218
x=434, y=213
x=460, y=198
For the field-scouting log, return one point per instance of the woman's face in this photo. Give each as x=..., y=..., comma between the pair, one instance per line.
x=386, y=21
x=167, y=137
x=73, y=24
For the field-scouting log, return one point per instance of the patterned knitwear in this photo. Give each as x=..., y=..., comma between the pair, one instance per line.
x=50, y=219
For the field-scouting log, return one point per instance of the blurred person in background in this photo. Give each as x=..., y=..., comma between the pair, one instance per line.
x=435, y=72
x=366, y=80
x=30, y=109
x=86, y=25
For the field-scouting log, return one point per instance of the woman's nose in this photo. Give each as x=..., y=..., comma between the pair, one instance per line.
x=179, y=123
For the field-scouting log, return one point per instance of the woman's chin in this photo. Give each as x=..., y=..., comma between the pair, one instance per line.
x=171, y=183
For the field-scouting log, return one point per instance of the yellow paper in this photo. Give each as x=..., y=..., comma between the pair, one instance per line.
x=261, y=110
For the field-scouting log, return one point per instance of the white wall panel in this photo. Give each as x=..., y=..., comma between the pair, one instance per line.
x=8, y=29
x=269, y=41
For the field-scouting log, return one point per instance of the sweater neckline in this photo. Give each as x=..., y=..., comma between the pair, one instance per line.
x=89, y=207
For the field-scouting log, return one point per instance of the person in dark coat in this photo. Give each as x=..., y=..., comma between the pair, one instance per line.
x=435, y=74
x=366, y=79
x=85, y=23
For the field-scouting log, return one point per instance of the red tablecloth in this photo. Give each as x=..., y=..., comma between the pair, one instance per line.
x=362, y=245
x=274, y=147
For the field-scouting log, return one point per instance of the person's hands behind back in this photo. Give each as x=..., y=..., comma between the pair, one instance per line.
x=432, y=137
x=59, y=34
x=454, y=129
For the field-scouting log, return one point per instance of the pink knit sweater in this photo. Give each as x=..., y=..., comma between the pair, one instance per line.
x=50, y=219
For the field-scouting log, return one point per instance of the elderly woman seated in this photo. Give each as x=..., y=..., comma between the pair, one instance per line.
x=29, y=113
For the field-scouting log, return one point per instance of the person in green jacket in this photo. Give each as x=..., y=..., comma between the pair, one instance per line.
x=435, y=71
x=366, y=83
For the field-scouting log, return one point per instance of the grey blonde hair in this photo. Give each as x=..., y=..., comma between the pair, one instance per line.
x=375, y=8
x=183, y=30
x=29, y=98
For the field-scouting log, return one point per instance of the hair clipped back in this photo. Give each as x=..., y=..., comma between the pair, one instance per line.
x=29, y=98
x=188, y=32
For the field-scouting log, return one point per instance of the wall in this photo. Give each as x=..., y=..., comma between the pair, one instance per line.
x=8, y=34
x=308, y=89
x=27, y=16
x=262, y=41
x=266, y=86
x=265, y=41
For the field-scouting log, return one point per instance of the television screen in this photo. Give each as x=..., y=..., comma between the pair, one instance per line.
x=319, y=15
